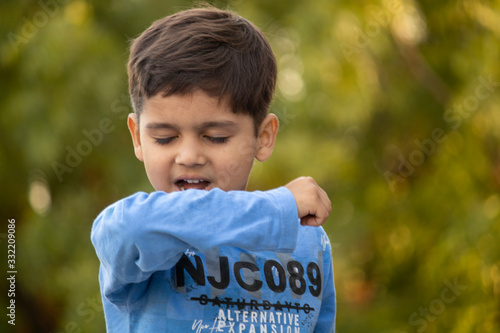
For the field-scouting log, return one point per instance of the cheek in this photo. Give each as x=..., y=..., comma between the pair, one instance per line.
x=233, y=168
x=247, y=148
x=245, y=154
x=155, y=160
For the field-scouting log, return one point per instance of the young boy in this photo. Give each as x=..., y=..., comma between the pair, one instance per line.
x=221, y=259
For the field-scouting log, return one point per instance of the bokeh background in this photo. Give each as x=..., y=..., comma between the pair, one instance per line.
x=393, y=106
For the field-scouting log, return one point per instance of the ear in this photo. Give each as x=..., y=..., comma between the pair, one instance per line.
x=133, y=127
x=268, y=131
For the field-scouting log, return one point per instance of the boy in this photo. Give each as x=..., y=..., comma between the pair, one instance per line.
x=222, y=259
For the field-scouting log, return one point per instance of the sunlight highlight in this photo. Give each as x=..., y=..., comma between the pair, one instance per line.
x=39, y=196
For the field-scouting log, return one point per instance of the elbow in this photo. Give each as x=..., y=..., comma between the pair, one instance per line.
x=110, y=237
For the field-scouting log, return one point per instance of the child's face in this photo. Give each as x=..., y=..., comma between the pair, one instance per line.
x=192, y=141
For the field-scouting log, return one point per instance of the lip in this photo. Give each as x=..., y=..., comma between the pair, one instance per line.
x=191, y=178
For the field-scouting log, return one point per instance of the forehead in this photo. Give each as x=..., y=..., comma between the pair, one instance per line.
x=191, y=107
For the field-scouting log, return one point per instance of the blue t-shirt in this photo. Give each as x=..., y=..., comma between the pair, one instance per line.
x=213, y=261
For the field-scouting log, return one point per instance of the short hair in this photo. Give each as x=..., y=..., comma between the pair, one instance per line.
x=210, y=49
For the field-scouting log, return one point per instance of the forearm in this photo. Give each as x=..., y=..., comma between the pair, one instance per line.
x=145, y=233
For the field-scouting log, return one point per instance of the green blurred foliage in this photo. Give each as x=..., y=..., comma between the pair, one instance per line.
x=392, y=106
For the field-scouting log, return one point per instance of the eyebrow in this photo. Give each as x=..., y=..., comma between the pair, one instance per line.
x=202, y=126
x=160, y=126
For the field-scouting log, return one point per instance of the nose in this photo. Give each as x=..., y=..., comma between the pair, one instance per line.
x=190, y=154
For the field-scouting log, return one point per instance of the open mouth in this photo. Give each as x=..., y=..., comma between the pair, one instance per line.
x=186, y=184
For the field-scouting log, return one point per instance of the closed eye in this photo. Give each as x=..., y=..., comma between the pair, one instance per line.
x=217, y=140
x=164, y=141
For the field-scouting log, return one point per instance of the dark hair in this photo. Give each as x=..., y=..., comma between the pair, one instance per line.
x=211, y=49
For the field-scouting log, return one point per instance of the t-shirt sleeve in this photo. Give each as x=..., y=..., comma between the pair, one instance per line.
x=145, y=233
